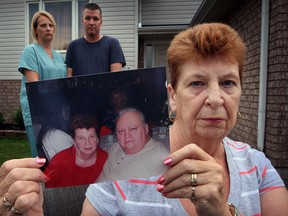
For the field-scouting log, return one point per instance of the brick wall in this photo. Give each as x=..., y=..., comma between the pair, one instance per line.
x=276, y=137
x=243, y=19
x=247, y=20
x=9, y=98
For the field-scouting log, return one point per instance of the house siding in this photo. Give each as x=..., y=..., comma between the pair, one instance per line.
x=12, y=42
x=167, y=12
x=248, y=14
x=12, y=37
x=120, y=21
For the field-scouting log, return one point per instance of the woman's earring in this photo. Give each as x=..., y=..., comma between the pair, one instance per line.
x=239, y=114
x=172, y=116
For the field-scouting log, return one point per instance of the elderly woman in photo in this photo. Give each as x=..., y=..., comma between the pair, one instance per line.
x=83, y=162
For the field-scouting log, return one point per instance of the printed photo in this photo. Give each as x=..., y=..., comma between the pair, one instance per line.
x=101, y=127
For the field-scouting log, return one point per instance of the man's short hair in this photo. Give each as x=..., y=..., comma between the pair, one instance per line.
x=93, y=6
x=134, y=110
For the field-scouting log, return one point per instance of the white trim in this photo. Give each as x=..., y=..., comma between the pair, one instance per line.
x=161, y=205
x=249, y=193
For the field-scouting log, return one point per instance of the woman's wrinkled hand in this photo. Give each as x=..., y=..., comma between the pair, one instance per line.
x=205, y=189
x=20, y=189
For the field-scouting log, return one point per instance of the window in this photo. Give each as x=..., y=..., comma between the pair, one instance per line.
x=62, y=13
x=155, y=53
x=67, y=15
x=33, y=7
x=81, y=5
x=148, y=56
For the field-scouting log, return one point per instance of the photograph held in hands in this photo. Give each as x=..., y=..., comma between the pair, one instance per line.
x=102, y=127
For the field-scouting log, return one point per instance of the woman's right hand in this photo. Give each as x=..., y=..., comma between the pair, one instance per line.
x=20, y=187
x=207, y=194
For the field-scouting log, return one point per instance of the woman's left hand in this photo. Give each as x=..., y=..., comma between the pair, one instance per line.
x=20, y=189
x=206, y=192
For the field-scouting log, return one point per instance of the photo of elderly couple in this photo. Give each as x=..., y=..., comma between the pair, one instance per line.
x=103, y=127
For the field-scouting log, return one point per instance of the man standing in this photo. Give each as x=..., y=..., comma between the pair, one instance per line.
x=93, y=53
x=136, y=154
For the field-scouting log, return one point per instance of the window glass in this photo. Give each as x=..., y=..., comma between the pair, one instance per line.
x=62, y=13
x=32, y=9
x=81, y=30
x=148, y=56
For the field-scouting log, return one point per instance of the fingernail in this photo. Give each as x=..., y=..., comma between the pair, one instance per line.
x=160, y=188
x=40, y=160
x=160, y=180
x=167, y=161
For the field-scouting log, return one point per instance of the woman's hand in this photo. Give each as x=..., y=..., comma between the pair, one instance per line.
x=20, y=189
x=179, y=181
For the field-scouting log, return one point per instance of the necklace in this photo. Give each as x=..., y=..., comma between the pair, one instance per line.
x=86, y=161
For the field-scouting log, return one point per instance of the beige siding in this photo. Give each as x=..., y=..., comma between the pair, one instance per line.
x=168, y=12
x=12, y=37
x=120, y=21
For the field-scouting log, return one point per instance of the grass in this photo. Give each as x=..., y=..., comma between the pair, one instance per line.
x=11, y=148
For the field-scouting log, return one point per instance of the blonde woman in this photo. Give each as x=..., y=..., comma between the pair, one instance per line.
x=39, y=62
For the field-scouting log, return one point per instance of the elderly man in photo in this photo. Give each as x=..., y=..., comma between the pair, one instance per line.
x=136, y=154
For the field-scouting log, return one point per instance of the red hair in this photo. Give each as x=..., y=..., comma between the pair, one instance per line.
x=208, y=40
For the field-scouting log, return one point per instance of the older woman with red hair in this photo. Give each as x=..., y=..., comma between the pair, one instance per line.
x=207, y=170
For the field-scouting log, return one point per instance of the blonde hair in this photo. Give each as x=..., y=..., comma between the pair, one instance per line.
x=208, y=40
x=34, y=22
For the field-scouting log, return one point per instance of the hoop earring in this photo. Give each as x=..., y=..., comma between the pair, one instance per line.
x=172, y=116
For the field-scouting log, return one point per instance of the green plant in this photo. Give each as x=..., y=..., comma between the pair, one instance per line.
x=17, y=118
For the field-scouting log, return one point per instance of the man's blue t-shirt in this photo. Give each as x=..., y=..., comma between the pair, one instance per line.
x=90, y=58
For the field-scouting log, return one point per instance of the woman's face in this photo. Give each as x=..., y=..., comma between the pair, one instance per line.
x=206, y=98
x=45, y=30
x=86, y=140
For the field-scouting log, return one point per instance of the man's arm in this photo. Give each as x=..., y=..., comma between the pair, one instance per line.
x=116, y=67
x=69, y=72
x=88, y=209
